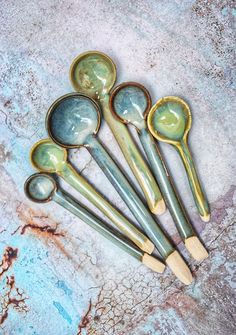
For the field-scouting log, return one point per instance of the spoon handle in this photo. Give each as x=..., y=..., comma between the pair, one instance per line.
x=85, y=189
x=164, y=181
x=69, y=203
x=198, y=194
x=135, y=160
x=129, y=196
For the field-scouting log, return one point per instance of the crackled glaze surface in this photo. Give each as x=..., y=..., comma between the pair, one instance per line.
x=61, y=275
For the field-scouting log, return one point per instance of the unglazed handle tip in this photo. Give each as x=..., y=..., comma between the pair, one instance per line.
x=153, y=263
x=196, y=248
x=160, y=207
x=206, y=217
x=179, y=267
x=147, y=246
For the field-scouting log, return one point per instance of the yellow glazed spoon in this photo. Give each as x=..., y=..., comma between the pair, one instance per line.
x=48, y=157
x=169, y=120
x=94, y=74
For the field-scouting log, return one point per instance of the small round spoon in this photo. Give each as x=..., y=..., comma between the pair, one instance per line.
x=169, y=121
x=73, y=121
x=94, y=74
x=43, y=188
x=48, y=157
x=130, y=102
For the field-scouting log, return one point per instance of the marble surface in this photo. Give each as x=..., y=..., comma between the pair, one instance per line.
x=59, y=277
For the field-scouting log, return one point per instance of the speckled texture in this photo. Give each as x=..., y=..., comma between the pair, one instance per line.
x=59, y=276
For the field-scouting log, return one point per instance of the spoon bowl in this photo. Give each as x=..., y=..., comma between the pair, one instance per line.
x=93, y=73
x=170, y=120
x=130, y=103
x=71, y=119
x=46, y=156
x=40, y=188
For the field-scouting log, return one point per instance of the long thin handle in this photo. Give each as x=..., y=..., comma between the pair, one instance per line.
x=86, y=190
x=129, y=196
x=66, y=201
x=198, y=194
x=164, y=181
x=135, y=160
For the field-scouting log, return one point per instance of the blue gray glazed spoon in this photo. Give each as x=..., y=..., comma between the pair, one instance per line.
x=130, y=102
x=43, y=188
x=73, y=121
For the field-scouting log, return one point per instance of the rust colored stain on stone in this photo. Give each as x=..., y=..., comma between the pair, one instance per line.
x=43, y=229
x=10, y=254
x=85, y=319
x=40, y=223
x=13, y=297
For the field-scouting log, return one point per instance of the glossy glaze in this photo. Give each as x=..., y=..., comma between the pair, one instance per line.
x=131, y=102
x=127, y=193
x=170, y=121
x=41, y=187
x=46, y=156
x=108, y=166
x=94, y=74
x=71, y=119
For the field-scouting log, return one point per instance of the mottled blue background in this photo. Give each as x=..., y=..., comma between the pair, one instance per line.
x=57, y=276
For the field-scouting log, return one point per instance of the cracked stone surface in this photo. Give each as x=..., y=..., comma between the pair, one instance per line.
x=59, y=277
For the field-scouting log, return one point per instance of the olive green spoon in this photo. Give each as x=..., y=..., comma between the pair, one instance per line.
x=130, y=102
x=169, y=121
x=42, y=188
x=73, y=121
x=46, y=156
x=94, y=74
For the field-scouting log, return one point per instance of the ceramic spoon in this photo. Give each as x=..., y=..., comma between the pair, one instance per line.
x=73, y=121
x=42, y=188
x=130, y=102
x=94, y=74
x=169, y=121
x=46, y=156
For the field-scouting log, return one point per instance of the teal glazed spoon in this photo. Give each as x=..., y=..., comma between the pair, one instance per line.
x=46, y=156
x=94, y=74
x=42, y=188
x=169, y=121
x=73, y=121
x=130, y=102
